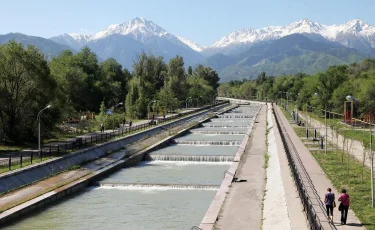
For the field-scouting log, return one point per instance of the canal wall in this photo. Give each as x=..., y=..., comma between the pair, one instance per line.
x=30, y=174
x=26, y=208
x=213, y=211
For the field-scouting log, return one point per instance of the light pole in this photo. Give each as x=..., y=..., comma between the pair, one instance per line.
x=372, y=167
x=186, y=102
x=325, y=122
x=148, y=109
x=38, y=118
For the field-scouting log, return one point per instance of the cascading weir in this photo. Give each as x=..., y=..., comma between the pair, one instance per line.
x=226, y=125
x=203, y=142
x=198, y=158
x=218, y=131
x=157, y=186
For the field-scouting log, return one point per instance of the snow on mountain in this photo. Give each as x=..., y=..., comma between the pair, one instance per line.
x=139, y=28
x=81, y=37
x=356, y=28
x=191, y=44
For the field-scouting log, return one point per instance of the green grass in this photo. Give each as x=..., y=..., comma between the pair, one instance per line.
x=266, y=160
x=25, y=162
x=11, y=148
x=358, y=135
x=346, y=172
x=357, y=182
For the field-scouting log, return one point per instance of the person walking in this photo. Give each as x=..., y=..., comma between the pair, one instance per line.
x=102, y=127
x=344, y=198
x=329, y=201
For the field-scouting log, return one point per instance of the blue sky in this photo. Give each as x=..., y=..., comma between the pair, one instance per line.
x=202, y=21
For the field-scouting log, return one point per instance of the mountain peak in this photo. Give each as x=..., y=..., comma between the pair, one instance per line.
x=357, y=25
x=139, y=20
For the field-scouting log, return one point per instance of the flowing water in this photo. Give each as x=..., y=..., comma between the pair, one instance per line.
x=171, y=191
x=123, y=208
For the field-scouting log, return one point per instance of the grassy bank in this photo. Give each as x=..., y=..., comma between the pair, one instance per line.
x=344, y=171
x=355, y=178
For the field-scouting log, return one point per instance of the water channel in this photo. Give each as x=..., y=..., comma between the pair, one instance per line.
x=171, y=191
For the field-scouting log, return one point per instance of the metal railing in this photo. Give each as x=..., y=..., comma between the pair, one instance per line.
x=299, y=174
x=21, y=159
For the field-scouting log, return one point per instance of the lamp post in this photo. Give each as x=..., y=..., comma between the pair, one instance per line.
x=186, y=102
x=372, y=167
x=325, y=121
x=121, y=103
x=148, y=109
x=38, y=118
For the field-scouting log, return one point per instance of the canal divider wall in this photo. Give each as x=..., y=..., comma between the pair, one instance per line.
x=30, y=174
x=213, y=211
x=26, y=208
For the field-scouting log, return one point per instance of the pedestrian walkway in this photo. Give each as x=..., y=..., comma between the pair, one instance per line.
x=319, y=180
x=242, y=208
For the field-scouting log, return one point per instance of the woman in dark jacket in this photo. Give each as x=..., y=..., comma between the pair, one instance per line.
x=345, y=202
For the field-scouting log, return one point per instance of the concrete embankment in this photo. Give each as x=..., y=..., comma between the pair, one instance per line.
x=282, y=208
x=213, y=211
x=32, y=173
x=74, y=187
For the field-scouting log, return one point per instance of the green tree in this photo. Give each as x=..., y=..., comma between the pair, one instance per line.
x=190, y=70
x=26, y=86
x=208, y=74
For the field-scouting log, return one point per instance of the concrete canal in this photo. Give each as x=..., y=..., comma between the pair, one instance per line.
x=171, y=190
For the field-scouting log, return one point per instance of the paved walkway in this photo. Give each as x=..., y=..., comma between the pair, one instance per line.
x=318, y=177
x=242, y=208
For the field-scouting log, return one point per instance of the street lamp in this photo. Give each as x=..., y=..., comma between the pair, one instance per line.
x=187, y=101
x=325, y=121
x=148, y=109
x=38, y=119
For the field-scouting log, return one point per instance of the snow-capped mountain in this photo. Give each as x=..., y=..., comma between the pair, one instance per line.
x=353, y=34
x=127, y=40
x=140, y=29
x=192, y=44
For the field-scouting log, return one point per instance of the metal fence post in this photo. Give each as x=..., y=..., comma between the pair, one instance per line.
x=10, y=163
x=41, y=154
x=21, y=160
x=31, y=157
x=58, y=149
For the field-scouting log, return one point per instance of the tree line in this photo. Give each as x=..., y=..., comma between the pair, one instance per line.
x=74, y=83
x=332, y=86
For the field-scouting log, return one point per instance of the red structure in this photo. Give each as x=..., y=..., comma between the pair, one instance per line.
x=369, y=117
x=348, y=112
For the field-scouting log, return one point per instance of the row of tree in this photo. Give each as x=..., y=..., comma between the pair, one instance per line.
x=77, y=83
x=332, y=86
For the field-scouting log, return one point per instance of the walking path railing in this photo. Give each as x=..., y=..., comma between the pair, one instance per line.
x=305, y=187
